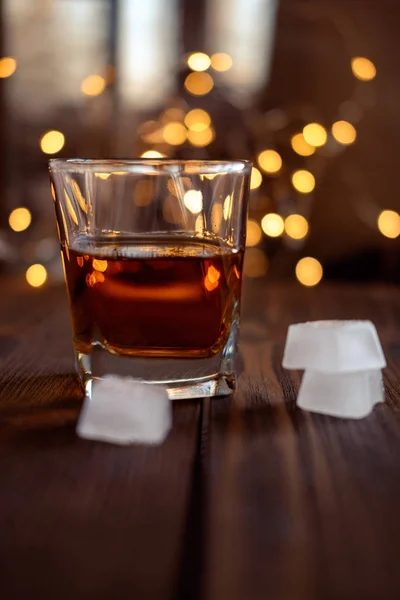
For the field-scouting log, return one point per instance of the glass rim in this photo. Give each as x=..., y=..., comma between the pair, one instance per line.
x=143, y=165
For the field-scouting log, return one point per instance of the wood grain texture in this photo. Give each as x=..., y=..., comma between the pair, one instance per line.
x=248, y=498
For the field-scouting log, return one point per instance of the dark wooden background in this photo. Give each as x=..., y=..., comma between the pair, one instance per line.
x=249, y=497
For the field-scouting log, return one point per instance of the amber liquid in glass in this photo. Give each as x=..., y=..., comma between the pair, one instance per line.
x=153, y=298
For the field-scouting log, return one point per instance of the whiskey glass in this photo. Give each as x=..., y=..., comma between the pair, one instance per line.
x=152, y=251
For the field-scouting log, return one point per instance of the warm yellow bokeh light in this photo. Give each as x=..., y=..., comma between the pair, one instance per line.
x=199, y=61
x=255, y=179
x=315, y=134
x=8, y=66
x=272, y=225
x=363, y=68
x=201, y=138
x=300, y=146
x=93, y=85
x=199, y=84
x=197, y=119
x=303, y=181
x=254, y=234
x=175, y=133
x=36, y=275
x=20, y=219
x=193, y=200
x=220, y=61
x=344, y=132
x=255, y=263
x=152, y=154
x=309, y=271
x=216, y=217
x=270, y=161
x=389, y=223
x=296, y=227
x=52, y=142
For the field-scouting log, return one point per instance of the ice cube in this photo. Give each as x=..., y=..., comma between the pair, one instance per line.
x=334, y=346
x=124, y=410
x=347, y=395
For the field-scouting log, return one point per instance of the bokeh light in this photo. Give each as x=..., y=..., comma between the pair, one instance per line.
x=201, y=138
x=8, y=66
x=315, y=134
x=255, y=263
x=93, y=85
x=175, y=133
x=199, y=61
x=193, y=200
x=152, y=154
x=52, y=142
x=300, y=146
x=270, y=161
x=254, y=234
x=344, y=132
x=309, y=271
x=296, y=226
x=272, y=225
x=197, y=119
x=363, y=68
x=20, y=219
x=221, y=61
x=36, y=275
x=303, y=181
x=389, y=223
x=255, y=179
x=199, y=84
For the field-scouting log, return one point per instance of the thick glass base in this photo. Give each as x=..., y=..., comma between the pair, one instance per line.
x=183, y=378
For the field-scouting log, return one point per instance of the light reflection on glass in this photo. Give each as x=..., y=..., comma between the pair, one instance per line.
x=211, y=280
x=193, y=200
x=100, y=265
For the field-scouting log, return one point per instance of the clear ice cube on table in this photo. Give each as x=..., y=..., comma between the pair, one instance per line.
x=123, y=411
x=333, y=346
x=347, y=395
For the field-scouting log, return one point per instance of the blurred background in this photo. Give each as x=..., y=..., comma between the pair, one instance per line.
x=307, y=89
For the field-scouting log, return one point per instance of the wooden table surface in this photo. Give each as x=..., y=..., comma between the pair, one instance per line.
x=249, y=498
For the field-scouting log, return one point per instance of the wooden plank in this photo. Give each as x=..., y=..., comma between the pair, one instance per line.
x=300, y=505
x=80, y=519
